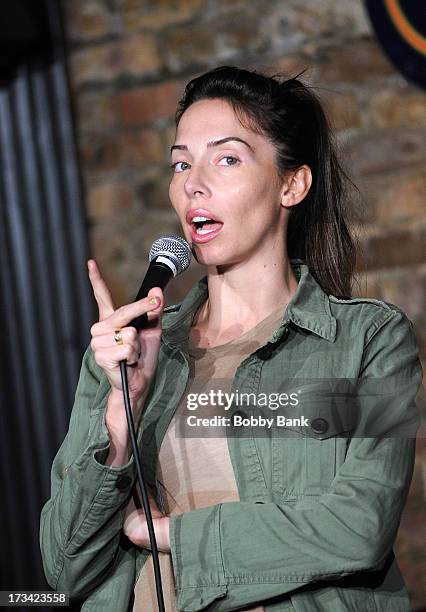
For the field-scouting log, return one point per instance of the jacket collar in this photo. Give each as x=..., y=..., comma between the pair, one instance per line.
x=308, y=308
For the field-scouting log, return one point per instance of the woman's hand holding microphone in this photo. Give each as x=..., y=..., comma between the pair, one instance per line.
x=140, y=350
x=113, y=341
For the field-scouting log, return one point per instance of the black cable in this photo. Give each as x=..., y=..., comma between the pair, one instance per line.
x=169, y=255
x=145, y=500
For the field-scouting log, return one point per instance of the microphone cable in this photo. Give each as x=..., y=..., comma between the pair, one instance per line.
x=145, y=500
x=169, y=256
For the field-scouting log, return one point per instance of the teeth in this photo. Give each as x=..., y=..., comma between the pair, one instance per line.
x=204, y=231
x=199, y=219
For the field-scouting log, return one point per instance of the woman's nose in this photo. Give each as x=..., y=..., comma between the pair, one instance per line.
x=196, y=182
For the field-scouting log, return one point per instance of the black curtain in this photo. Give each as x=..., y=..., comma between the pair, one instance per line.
x=46, y=306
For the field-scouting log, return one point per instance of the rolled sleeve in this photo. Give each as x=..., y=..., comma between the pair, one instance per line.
x=80, y=524
x=201, y=579
x=195, y=545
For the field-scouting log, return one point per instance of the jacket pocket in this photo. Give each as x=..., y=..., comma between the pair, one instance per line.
x=309, y=444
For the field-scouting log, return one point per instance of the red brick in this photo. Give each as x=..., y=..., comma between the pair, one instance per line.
x=105, y=152
x=397, y=196
x=88, y=64
x=358, y=61
x=140, y=147
x=343, y=109
x=86, y=20
x=107, y=199
x=394, y=248
x=136, y=56
x=408, y=291
x=154, y=192
x=146, y=104
x=376, y=151
x=398, y=107
x=99, y=153
x=156, y=14
x=235, y=34
x=95, y=111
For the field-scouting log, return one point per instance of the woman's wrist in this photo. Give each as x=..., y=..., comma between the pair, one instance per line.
x=115, y=415
x=116, y=424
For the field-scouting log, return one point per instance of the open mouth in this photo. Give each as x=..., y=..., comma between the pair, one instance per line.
x=204, y=225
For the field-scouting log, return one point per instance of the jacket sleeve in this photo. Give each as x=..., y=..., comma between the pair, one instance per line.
x=80, y=524
x=235, y=554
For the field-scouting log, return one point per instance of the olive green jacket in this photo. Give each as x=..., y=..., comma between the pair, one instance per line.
x=319, y=506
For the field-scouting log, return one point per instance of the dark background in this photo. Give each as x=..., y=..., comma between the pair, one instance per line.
x=45, y=302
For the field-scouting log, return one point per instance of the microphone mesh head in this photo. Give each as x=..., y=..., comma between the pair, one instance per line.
x=175, y=248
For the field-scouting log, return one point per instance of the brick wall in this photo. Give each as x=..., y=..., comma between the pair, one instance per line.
x=129, y=61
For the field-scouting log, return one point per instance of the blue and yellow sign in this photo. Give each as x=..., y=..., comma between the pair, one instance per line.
x=400, y=26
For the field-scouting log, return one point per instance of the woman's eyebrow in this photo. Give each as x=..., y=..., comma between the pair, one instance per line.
x=215, y=143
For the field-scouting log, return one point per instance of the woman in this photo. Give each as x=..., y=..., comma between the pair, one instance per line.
x=303, y=517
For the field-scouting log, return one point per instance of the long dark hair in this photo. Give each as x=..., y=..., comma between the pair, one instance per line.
x=291, y=116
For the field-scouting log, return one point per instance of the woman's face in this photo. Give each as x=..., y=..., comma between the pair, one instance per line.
x=226, y=173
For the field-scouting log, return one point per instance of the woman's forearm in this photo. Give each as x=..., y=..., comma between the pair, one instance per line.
x=116, y=423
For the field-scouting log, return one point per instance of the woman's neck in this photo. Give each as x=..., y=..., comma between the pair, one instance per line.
x=239, y=298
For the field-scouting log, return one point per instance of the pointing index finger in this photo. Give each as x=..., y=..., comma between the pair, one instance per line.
x=100, y=290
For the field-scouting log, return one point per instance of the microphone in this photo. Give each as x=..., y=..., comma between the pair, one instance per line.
x=169, y=256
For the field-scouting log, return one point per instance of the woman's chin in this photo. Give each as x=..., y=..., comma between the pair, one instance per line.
x=214, y=264
x=210, y=260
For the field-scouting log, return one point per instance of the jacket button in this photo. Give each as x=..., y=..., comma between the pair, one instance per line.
x=319, y=425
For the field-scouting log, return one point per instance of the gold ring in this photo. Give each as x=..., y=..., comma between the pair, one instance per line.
x=118, y=337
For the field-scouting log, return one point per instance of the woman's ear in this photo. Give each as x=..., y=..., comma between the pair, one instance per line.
x=296, y=186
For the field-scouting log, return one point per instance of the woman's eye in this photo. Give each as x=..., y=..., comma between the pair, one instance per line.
x=229, y=157
x=180, y=166
x=177, y=168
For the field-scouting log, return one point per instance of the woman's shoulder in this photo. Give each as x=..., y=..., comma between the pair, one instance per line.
x=369, y=316
x=365, y=300
x=365, y=307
